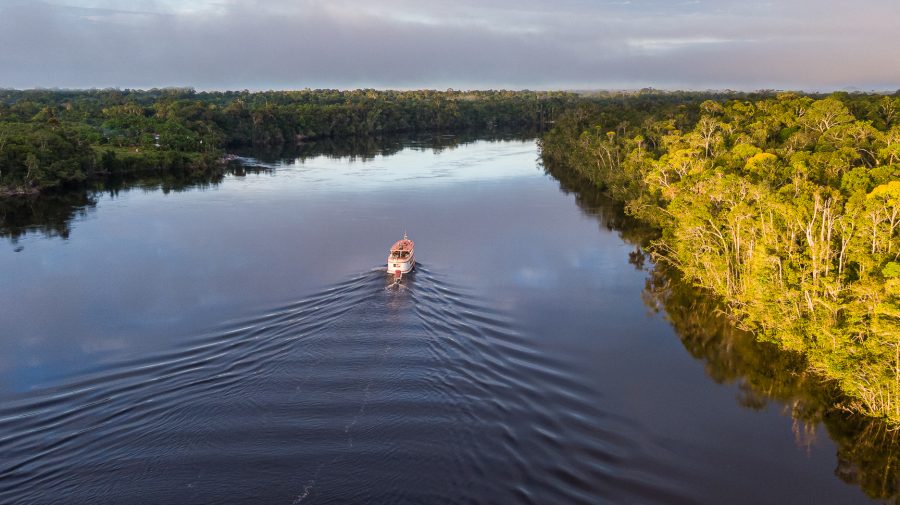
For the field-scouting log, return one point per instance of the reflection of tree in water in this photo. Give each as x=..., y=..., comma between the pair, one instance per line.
x=868, y=450
x=367, y=148
x=51, y=214
x=609, y=212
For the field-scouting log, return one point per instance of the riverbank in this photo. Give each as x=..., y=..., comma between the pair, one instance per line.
x=867, y=448
x=15, y=192
x=110, y=166
x=784, y=208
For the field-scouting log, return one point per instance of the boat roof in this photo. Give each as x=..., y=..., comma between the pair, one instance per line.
x=403, y=245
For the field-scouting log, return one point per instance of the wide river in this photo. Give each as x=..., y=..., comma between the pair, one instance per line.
x=239, y=342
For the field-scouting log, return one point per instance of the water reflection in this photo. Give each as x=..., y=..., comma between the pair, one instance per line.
x=868, y=451
x=367, y=148
x=51, y=215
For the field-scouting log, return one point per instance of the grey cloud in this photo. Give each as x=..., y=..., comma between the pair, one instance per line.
x=464, y=43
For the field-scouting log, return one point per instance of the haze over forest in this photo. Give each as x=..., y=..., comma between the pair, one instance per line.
x=811, y=45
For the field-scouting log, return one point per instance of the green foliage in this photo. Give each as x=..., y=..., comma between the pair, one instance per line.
x=46, y=136
x=41, y=155
x=787, y=208
x=891, y=270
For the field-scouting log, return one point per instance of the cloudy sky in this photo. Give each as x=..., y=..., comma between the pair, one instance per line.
x=537, y=44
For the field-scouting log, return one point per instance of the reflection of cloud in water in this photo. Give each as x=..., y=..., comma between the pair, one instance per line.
x=479, y=162
x=534, y=277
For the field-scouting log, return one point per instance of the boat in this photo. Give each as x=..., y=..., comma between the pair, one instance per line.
x=402, y=258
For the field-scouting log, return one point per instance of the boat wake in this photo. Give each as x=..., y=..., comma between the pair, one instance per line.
x=414, y=391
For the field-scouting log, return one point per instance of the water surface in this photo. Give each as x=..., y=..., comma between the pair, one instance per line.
x=238, y=342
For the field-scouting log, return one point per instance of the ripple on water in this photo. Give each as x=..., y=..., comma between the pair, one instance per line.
x=361, y=392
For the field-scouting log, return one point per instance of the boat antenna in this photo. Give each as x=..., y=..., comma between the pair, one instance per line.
x=404, y=235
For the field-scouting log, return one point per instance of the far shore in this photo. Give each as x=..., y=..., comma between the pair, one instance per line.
x=18, y=191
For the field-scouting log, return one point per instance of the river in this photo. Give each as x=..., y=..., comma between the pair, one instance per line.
x=237, y=341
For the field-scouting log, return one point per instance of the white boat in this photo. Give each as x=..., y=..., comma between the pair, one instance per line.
x=402, y=258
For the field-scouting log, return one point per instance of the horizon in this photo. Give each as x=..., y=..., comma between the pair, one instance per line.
x=849, y=90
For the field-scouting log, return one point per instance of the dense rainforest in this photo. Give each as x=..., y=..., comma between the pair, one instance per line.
x=51, y=138
x=786, y=208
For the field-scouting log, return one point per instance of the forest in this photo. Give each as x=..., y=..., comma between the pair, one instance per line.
x=52, y=139
x=784, y=207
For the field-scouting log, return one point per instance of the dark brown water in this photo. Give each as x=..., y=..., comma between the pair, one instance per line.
x=238, y=342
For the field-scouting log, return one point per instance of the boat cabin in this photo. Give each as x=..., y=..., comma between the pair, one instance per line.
x=399, y=255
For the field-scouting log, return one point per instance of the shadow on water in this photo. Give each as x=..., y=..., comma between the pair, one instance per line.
x=51, y=214
x=868, y=451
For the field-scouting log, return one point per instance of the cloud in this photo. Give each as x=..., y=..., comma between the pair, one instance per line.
x=464, y=43
x=670, y=44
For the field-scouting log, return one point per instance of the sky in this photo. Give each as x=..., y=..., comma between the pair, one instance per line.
x=812, y=45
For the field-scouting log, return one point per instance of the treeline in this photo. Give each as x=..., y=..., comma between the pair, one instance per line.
x=787, y=208
x=57, y=138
